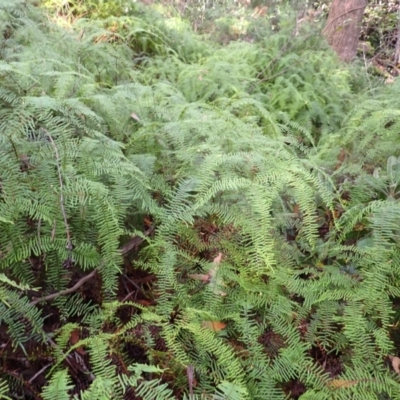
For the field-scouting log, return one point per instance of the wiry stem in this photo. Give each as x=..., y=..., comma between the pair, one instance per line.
x=135, y=241
x=65, y=291
x=62, y=203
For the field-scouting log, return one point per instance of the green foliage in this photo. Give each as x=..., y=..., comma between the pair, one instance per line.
x=231, y=152
x=97, y=9
x=379, y=26
x=4, y=390
x=58, y=388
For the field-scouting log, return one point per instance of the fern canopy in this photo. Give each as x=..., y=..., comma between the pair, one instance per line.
x=181, y=219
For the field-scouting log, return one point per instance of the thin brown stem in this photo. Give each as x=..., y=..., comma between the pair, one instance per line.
x=39, y=372
x=124, y=249
x=62, y=201
x=65, y=291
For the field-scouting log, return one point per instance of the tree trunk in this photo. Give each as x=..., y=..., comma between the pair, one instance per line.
x=344, y=26
x=397, y=50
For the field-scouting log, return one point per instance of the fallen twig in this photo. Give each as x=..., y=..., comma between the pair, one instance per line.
x=39, y=372
x=136, y=241
x=65, y=291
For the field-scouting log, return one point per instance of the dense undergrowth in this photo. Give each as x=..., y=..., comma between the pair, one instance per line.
x=187, y=220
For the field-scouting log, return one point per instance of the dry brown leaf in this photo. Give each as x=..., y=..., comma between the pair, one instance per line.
x=144, y=302
x=340, y=159
x=215, y=326
x=259, y=11
x=135, y=117
x=214, y=269
x=389, y=79
x=211, y=278
x=217, y=260
x=200, y=277
x=216, y=282
x=341, y=383
x=395, y=363
x=74, y=339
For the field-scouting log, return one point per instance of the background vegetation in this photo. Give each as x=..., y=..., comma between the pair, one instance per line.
x=197, y=201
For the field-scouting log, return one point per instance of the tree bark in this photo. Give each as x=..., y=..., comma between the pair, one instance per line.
x=343, y=27
x=397, y=50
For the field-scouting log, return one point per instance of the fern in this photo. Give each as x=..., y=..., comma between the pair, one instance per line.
x=230, y=153
x=58, y=387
